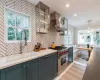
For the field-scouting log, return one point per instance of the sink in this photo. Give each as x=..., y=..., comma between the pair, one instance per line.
x=29, y=54
x=3, y=60
x=13, y=58
x=16, y=57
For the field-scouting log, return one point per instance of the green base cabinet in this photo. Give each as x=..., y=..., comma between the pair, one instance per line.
x=32, y=70
x=12, y=73
x=25, y=71
x=48, y=67
x=44, y=68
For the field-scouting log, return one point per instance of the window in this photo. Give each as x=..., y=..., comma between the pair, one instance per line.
x=15, y=23
x=92, y=37
x=68, y=39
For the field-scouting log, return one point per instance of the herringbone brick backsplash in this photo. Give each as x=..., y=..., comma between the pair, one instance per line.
x=27, y=8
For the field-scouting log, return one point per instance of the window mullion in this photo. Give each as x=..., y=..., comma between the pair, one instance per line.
x=15, y=30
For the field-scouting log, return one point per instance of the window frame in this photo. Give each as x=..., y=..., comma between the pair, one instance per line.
x=69, y=36
x=6, y=26
x=80, y=31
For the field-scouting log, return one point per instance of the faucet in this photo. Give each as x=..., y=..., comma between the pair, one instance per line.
x=25, y=39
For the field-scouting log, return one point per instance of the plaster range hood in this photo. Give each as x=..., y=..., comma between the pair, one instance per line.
x=58, y=23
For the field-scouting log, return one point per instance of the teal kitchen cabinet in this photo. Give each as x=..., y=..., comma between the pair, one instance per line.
x=55, y=65
x=24, y=71
x=48, y=67
x=44, y=68
x=12, y=73
x=32, y=70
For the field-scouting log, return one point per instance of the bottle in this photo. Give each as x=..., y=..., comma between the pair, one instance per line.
x=53, y=45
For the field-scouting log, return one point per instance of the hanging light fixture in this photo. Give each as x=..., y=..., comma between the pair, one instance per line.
x=88, y=38
x=89, y=25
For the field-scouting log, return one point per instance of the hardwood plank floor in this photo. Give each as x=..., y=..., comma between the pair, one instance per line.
x=75, y=72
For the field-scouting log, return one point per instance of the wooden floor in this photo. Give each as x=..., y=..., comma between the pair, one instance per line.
x=75, y=72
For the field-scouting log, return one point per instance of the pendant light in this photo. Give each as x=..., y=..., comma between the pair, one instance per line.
x=88, y=38
x=89, y=25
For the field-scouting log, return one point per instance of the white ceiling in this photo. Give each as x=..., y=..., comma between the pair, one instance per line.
x=85, y=9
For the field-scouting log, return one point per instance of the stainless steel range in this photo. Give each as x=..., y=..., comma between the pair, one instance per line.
x=62, y=58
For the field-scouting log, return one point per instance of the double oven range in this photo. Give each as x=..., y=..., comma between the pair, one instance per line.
x=63, y=59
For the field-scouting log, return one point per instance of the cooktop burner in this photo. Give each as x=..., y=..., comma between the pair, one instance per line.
x=59, y=48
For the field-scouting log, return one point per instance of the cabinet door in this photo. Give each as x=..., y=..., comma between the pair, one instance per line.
x=32, y=70
x=55, y=64
x=42, y=69
x=12, y=73
x=47, y=67
x=70, y=55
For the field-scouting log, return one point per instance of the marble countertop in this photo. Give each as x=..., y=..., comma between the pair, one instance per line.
x=20, y=58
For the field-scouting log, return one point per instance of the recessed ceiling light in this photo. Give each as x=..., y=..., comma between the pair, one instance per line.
x=67, y=5
x=75, y=14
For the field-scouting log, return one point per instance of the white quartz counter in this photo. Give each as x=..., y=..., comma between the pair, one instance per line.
x=20, y=58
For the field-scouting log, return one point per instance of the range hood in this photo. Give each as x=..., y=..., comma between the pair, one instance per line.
x=58, y=23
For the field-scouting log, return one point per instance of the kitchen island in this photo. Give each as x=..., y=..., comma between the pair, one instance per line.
x=93, y=68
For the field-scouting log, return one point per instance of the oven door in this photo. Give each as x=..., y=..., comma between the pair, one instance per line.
x=63, y=60
x=62, y=63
